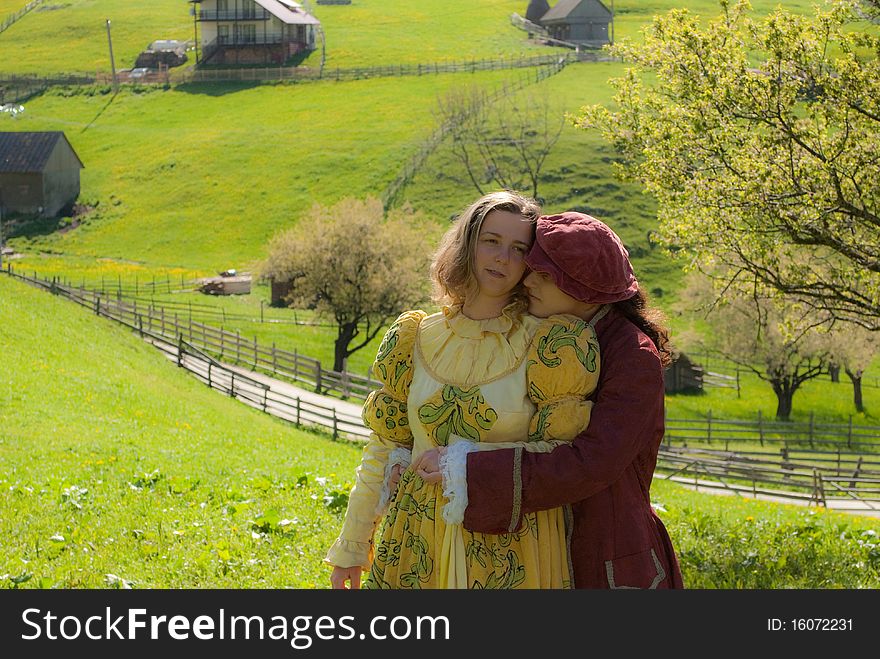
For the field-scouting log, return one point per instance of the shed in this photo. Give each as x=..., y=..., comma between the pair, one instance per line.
x=683, y=376
x=39, y=173
x=581, y=22
x=162, y=52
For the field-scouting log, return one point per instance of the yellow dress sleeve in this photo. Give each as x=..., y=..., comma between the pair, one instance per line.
x=562, y=369
x=390, y=443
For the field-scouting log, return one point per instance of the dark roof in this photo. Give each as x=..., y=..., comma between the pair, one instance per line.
x=536, y=9
x=26, y=152
x=564, y=7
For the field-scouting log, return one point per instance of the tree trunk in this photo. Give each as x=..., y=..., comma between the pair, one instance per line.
x=784, y=390
x=344, y=335
x=834, y=372
x=856, y=378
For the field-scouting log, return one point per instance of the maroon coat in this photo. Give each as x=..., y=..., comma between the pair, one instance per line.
x=617, y=540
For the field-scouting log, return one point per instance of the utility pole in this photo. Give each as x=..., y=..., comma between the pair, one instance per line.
x=112, y=61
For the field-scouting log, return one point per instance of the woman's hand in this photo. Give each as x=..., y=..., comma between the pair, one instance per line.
x=346, y=575
x=427, y=466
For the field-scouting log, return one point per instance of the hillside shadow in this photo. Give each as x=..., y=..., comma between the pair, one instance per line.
x=216, y=88
x=31, y=226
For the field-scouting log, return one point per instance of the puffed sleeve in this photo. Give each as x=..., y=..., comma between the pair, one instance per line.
x=561, y=371
x=390, y=443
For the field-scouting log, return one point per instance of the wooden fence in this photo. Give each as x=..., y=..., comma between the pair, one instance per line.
x=253, y=392
x=301, y=73
x=831, y=440
x=226, y=346
x=806, y=476
x=788, y=434
x=12, y=18
x=415, y=163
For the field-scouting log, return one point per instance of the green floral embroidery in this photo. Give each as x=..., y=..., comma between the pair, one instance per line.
x=560, y=336
x=511, y=575
x=457, y=411
x=388, y=344
x=542, y=423
x=388, y=411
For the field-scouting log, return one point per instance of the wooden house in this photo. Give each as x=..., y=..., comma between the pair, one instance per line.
x=230, y=32
x=683, y=375
x=580, y=22
x=39, y=173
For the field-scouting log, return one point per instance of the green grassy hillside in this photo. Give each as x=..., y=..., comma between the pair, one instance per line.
x=117, y=469
x=114, y=461
x=365, y=33
x=202, y=176
x=35, y=43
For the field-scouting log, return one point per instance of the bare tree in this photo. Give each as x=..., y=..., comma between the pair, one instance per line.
x=502, y=143
x=355, y=264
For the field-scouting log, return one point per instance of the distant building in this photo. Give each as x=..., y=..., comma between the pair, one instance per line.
x=683, y=376
x=251, y=31
x=39, y=173
x=581, y=22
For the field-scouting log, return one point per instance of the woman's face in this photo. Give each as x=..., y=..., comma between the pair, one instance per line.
x=546, y=298
x=499, y=262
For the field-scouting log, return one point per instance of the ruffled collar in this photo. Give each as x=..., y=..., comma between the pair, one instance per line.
x=469, y=328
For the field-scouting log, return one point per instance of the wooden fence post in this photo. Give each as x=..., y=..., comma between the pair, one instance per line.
x=760, y=428
x=297, y=410
x=709, y=427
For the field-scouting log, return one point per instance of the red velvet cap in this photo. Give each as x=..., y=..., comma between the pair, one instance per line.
x=585, y=258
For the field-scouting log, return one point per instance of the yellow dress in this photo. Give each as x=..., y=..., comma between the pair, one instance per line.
x=489, y=383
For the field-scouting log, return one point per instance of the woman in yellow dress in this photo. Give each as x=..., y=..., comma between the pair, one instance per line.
x=480, y=374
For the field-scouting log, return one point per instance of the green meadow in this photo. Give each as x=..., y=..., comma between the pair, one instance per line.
x=118, y=470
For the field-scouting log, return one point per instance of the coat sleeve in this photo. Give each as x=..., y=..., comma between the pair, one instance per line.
x=390, y=443
x=504, y=485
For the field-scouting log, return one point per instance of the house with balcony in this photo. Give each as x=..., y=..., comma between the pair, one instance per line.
x=233, y=32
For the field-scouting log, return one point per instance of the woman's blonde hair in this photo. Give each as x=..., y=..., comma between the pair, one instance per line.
x=452, y=271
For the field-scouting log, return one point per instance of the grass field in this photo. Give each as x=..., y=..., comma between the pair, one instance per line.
x=120, y=470
x=202, y=176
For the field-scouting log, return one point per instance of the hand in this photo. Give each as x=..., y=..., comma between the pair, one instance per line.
x=346, y=575
x=427, y=466
x=394, y=478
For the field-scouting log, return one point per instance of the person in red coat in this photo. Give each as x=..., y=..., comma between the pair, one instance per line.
x=580, y=266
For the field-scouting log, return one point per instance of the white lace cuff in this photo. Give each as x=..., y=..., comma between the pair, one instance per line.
x=399, y=456
x=453, y=466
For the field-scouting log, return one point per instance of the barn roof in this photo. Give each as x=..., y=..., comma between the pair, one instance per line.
x=27, y=152
x=563, y=8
